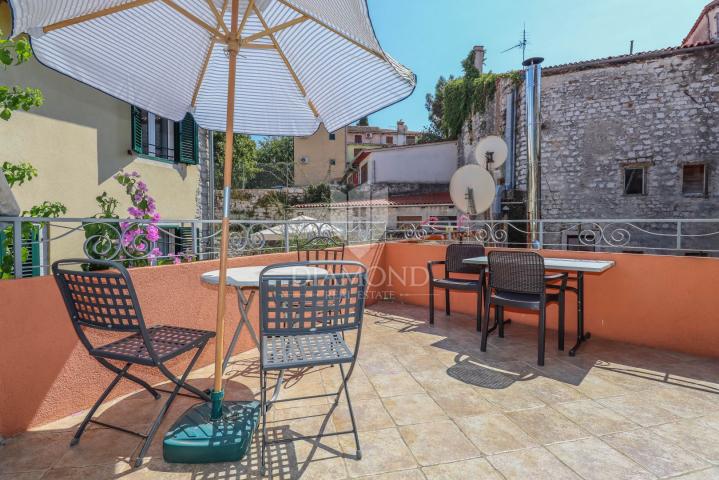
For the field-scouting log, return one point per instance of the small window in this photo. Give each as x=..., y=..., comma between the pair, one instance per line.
x=358, y=138
x=696, y=254
x=694, y=179
x=163, y=139
x=333, y=161
x=390, y=139
x=411, y=140
x=364, y=173
x=635, y=180
x=332, y=137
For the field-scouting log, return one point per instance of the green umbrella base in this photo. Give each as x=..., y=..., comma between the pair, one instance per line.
x=195, y=438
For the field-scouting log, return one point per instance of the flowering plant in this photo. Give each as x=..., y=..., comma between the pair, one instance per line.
x=138, y=238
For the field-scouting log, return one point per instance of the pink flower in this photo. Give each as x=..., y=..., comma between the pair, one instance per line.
x=135, y=212
x=141, y=186
x=155, y=217
x=153, y=234
x=135, y=174
x=176, y=260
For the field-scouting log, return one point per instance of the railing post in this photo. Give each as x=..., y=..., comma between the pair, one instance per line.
x=286, y=235
x=195, y=247
x=17, y=247
x=541, y=234
x=679, y=235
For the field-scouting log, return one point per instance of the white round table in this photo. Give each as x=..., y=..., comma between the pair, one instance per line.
x=248, y=278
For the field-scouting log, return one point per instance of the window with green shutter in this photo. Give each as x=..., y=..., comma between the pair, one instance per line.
x=158, y=138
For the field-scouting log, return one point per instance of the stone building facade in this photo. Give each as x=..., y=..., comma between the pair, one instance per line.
x=635, y=136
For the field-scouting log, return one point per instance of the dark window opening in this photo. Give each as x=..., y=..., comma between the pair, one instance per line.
x=333, y=161
x=332, y=136
x=160, y=138
x=635, y=180
x=574, y=243
x=694, y=179
x=411, y=140
x=358, y=138
x=390, y=140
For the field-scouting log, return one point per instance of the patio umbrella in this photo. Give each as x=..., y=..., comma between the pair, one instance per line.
x=266, y=67
x=301, y=225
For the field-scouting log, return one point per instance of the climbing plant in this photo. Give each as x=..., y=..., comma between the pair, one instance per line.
x=15, y=52
x=457, y=99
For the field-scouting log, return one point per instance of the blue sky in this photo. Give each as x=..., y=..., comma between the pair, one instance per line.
x=432, y=36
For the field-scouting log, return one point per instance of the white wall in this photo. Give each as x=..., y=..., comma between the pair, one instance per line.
x=428, y=163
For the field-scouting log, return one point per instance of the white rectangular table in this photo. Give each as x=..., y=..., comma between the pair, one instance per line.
x=570, y=265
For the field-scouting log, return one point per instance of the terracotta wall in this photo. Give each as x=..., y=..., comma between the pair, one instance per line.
x=46, y=374
x=659, y=301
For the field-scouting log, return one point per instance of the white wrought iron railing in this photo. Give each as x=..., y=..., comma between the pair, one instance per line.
x=29, y=245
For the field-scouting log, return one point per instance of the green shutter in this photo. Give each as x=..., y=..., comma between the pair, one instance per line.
x=136, y=130
x=186, y=141
x=31, y=265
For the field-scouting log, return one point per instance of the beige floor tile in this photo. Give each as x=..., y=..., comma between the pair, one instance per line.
x=594, y=417
x=594, y=386
x=593, y=459
x=37, y=475
x=414, y=474
x=391, y=385
x=33, y=451
x=383, y=451
x=694, y=436
x=494, y=433
x=476, y=468
x=100, y=447
x=411, y=409
x=654, y=453
x=369, y=415
x=551, y=391
x=684, y=402
x=437, y=442
x=534, y=463
x=99, y=472
x=379, y=364
x=640, y=408
x=707, y=474
x=545, y=425
x=462, y=401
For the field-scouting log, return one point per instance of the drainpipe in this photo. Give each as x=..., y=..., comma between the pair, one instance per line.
x=509, y=137
x=533, y=93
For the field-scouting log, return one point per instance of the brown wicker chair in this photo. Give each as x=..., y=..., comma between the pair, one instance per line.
x=453, y=264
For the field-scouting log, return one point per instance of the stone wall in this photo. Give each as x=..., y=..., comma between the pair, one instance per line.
x=658, y=110
x=260, y=204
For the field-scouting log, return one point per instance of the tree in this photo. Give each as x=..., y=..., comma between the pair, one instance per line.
x=435, y=108
x=275, y=161
x=244, y=159
x=363, y=122
x=15, y=97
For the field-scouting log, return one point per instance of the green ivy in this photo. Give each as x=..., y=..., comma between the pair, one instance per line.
x=15, y=52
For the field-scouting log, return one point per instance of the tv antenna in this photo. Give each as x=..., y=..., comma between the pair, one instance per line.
x=522, y=43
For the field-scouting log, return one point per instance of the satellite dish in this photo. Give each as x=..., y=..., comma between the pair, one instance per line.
x=472, y=189
x=491, y=152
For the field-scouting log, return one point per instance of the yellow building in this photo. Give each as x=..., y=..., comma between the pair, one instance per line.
x=325, y=157
x=80, y=138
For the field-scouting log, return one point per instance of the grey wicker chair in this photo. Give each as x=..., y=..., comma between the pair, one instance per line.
x=105, y=299
x=517, y=280
x=303, y=321
x=453, y=264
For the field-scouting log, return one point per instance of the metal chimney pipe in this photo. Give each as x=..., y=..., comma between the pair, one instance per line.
x=533, y=94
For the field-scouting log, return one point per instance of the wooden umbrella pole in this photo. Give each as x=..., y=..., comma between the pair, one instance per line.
x=232, y=47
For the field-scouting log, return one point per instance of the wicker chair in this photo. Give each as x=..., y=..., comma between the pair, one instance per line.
x=454, y=263
x=517, y=280
x=303, y=321
x=106, y=300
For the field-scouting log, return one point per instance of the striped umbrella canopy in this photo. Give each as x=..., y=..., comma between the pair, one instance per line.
x=266, y=67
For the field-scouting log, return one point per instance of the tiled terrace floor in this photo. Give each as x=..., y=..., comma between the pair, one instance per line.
x=430, y=405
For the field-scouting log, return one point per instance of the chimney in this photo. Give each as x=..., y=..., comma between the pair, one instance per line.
x=479, y=57
x=401, y=127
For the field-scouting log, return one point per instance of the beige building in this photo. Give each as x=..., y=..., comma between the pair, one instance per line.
x=325, y=157
x=80, y=138
x=706, y=28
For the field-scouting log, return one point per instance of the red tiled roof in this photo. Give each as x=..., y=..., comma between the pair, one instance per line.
x=437, y=198
x=627, y=58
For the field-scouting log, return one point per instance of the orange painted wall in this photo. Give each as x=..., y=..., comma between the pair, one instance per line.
x=45, y=373
x=659, y=301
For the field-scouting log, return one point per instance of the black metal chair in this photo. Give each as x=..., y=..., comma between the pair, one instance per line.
x=303, y=319
x=103, y=298
x=454, y=263
x=517, y=280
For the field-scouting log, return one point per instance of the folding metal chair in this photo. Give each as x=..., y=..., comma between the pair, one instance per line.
x=303, y=319
x=106, y=300
x=517, y=279
x=320, y=248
